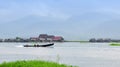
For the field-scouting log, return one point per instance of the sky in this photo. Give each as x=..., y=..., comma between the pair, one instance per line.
x=72, y=19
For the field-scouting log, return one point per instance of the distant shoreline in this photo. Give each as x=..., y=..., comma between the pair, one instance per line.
x=58, y=42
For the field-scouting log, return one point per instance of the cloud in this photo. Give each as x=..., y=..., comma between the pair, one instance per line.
x=46, y=11
x=110, y=11
x=15, y=10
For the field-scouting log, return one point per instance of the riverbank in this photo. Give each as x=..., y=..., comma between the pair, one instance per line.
x=32, y=63
x=115, y=44
x=78, y=41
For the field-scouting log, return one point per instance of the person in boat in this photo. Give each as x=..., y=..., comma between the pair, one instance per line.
x=35, y=45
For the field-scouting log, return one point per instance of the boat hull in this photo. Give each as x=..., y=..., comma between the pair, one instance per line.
x=46, y=45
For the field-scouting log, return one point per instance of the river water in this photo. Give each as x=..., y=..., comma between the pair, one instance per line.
x=78, y=54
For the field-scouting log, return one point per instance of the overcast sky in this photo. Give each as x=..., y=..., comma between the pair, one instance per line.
x=72, y=19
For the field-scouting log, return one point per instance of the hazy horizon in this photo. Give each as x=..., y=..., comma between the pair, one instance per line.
x=72, y=19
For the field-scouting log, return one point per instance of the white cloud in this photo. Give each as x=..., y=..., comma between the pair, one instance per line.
x=47, y=11
x=16, y=11
x=110, y=11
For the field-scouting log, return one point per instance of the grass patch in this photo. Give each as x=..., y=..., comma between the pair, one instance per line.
x=115, y=44
x=32, y=63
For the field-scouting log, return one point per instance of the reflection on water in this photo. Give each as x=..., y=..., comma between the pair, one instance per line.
x=80, y=54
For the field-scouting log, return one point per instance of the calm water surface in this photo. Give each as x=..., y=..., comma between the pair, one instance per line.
x=79, y=54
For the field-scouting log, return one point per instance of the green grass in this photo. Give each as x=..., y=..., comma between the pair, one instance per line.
x=32, y=63
x=115, y=44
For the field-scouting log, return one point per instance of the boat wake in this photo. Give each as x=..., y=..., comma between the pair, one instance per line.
x=19, y=46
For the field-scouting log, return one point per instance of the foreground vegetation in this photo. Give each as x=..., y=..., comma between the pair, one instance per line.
x=115, y=44
x=32, y=63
